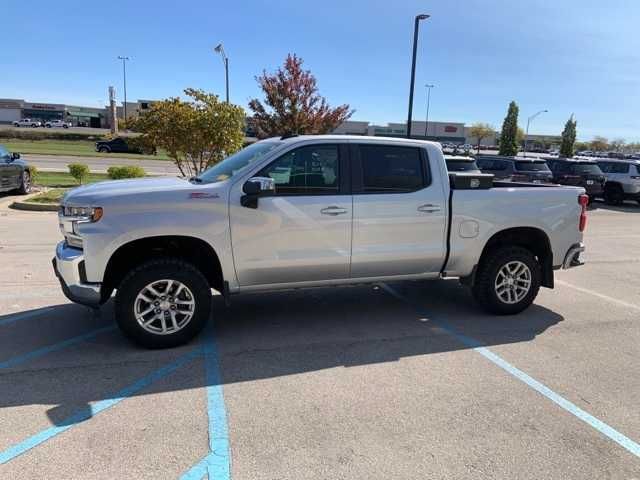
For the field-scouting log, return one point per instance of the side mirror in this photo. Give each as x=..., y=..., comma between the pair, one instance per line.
x=254, y=188
x=15, y=156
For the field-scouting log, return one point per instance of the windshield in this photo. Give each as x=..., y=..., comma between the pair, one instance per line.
x=461, y=165
x=586, y=168
x=532, y=166
x=237, y=162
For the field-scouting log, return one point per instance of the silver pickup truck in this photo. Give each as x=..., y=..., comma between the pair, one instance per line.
x=309, y=211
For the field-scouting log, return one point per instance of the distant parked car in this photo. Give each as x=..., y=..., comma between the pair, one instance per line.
x=27, y=122
x=515, y=169
x=57, y=124
x=116, y=145
x=14, y=173
x=623, y=180
x=579, y=173
x=461, y=164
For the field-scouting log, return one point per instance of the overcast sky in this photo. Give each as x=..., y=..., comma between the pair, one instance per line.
x=569, y=56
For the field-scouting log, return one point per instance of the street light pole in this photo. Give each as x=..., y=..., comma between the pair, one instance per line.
x=526, y=135
x=220, y=49
x=426, y=126
x=124, y=78
x=413, y=69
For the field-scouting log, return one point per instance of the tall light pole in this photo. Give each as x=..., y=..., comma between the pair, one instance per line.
x=124, y=78
x=526, y=135
x=413, y=68
x=220, y=49
x=426, y=126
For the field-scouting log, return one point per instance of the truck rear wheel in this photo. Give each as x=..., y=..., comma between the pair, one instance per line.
x=163, y=303
x=507, y=280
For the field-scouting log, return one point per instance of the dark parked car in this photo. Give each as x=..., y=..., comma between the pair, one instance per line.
x=461, y=164
x=14, y=173
x=515, y=169
x=116, y=145
x=579, y=173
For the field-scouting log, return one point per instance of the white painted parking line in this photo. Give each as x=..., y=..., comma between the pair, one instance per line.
x=622, y=303
x=477, y=346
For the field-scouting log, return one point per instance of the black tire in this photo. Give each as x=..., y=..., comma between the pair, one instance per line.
x=65, y=126
x=484, y=290
x=104, y=150
x=48, y=126
x=25, y=184
x=155, y=270
x=613, y=194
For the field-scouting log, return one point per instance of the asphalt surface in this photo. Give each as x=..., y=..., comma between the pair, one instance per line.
x=345, y=383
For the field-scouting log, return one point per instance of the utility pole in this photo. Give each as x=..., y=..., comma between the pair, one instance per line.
x=220, y=49
x=124, y=78
x=413, y=69
x=526, y=135
x=426, y=126
x=113, y=116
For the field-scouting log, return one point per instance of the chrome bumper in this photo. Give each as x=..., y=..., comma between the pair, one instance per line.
x=572, y=258
x=67, y=265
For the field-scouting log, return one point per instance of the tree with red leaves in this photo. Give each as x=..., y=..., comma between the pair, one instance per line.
x=292, y=104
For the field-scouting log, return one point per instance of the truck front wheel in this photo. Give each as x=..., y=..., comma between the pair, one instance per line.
x=507, y=280
x=163, y=303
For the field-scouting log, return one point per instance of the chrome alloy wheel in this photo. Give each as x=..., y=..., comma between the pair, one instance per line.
x=513, y=282
x=164, y=307
x=26, y=181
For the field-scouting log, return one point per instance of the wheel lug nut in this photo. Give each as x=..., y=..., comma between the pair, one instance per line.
x=173, y=307
x=156, y=303
x=158, y=310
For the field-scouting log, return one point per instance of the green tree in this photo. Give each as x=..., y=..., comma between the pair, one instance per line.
x=480, y=131
x=567, y=147
x=292, y=103
x=509, y=135
x=196, y=133
x=79, y=171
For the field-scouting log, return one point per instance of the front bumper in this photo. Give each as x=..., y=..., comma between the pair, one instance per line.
x=572, y=258
x=68, y=265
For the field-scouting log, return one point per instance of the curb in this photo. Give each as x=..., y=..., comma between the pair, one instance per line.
x=35, y=207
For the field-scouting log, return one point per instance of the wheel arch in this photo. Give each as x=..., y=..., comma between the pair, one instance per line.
x=190, y=249
x=533, y=239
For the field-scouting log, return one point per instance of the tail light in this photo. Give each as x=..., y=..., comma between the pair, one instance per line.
x=583, y=200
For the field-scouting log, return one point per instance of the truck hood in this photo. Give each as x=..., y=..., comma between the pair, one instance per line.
x=101, y=192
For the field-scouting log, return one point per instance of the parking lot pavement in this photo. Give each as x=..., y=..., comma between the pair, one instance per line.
x=405, y=380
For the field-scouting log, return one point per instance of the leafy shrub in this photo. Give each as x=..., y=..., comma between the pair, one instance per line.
x=33, y=171
x=79, y=171
x=128, y=171
x=46, y=134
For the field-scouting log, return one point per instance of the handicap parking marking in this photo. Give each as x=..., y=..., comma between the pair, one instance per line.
x=94, y=409
x=25, y=357
x=216, y=464
x=14, y=317
x=622, y=440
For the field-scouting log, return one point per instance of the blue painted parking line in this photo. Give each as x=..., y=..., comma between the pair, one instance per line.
x=95, y=408
x=539, y=387
x=14, y=317
x=25, y=357
x=216, y=464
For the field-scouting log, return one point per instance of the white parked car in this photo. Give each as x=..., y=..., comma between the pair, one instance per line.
x=27, y=122
x=57, y=124
x=310, y=211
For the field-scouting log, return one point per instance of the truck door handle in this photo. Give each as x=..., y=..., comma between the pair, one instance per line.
x=333, y=211
x=429, y=208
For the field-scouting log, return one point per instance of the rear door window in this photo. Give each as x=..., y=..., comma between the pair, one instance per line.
x=619, y=167
x=532, y=166
x=391, y=169
x=586, y=169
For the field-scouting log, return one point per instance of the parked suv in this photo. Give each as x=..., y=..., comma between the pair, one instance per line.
x=116, y=145
x=579, y=173
x=57, y=124
x=515, y=169
x=622, y=180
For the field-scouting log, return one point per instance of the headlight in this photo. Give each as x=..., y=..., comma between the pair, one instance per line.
x=82, y=214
